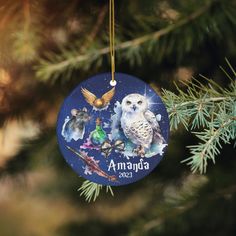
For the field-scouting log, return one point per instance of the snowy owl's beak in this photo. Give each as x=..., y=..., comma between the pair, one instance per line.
x=134, y=107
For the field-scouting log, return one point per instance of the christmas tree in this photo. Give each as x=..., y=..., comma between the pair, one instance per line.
x=179, y=48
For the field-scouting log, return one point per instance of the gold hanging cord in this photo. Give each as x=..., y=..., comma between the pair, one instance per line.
x=112, y=37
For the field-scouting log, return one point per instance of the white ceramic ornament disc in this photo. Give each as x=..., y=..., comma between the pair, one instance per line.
x=113, y=135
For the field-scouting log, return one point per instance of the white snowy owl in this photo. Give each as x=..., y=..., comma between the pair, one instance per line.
x=139, y=124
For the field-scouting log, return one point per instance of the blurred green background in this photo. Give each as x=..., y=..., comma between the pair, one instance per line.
x=46, y=48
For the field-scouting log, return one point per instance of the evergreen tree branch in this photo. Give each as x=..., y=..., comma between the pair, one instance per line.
x=210, y=148
x=91, y=190
x=26, y=38
x=95, y=29
x=208, y=107
x=181, y=207
x=51, y=69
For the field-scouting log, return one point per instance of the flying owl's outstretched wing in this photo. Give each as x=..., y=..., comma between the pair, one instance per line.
x=89, y=97
x=106, y=97
x=152, y=120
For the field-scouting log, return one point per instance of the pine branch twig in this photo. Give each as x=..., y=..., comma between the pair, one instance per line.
x=47, y=69
x=91, y=190
x=202, y=152
x=208, y=107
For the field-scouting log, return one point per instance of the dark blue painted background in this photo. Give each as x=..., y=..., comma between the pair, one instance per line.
x=98, y=85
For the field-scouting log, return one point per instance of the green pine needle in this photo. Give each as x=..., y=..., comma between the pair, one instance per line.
x=209, y=108
x=178, y=38
x=91, y=190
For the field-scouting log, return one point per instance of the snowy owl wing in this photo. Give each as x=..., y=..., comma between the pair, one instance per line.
x=152, y=120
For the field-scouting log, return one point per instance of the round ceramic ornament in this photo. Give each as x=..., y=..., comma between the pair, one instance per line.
x=113, y=135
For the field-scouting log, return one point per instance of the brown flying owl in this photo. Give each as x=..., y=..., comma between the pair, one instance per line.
x=98, y=103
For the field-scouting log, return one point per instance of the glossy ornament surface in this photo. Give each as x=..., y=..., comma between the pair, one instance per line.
x=113, y=135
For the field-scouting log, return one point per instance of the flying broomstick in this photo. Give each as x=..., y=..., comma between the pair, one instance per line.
x=92, y=165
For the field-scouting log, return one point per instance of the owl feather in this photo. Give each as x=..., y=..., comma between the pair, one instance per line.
x=151, y=118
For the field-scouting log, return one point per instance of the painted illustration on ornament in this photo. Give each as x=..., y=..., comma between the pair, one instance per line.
x=91, y=165
x=74, y=126
x=138, y=127
x=107, y=147
x=96, y=137
x=99, y=140
x=113, y=135
x=134, y=130
x=98, y=104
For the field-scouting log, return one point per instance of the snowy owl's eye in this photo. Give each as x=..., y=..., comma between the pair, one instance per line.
x=128, y=102
x=140, y=102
